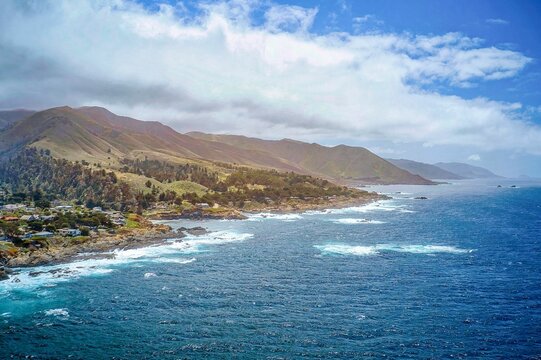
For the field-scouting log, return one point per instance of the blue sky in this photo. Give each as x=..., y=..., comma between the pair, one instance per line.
x=426, y=80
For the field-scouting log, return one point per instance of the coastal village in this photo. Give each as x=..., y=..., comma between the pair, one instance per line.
x=27, y=222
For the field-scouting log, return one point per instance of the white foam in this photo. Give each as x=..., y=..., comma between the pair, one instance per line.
x=351, y=221
x=149, y=275
x=347, y=249
x=49, y=275
x=57, y=312
x=176, y=261
x=271, y=216
x=382, y=205
x=343, y=249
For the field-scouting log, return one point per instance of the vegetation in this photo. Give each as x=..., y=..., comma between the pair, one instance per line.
x=36, y=175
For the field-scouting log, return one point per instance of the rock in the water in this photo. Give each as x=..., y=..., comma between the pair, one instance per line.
x=198, y=230
x=3, y=274
x=421, y=198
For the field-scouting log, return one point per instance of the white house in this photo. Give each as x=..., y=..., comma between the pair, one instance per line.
x=11, y=207
x=69, y=232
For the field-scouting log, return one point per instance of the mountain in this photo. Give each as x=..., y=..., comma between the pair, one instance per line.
x=342, y=163
x=8, y=117
x=97, y=135
x=425, y=170
x=467, y=171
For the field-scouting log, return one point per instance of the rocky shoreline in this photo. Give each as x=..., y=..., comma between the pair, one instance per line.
x=62, y=251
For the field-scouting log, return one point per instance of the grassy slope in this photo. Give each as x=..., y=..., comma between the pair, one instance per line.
x=138, y=183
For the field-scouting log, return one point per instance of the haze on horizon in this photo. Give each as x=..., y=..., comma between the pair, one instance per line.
x=452, y=82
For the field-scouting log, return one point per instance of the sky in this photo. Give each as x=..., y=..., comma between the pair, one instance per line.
x=423, y=80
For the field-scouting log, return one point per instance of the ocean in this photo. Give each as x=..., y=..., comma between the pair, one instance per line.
x=457, y=275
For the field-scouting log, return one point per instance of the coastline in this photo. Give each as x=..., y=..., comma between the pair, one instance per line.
x=154, y=234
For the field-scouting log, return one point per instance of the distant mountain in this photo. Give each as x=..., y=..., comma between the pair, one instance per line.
x=467, y=171
x=427, y=171
x=10, y=116
x=343, y=163
x=95, y=135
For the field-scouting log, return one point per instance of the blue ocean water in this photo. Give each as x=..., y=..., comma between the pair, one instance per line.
x=454, y=276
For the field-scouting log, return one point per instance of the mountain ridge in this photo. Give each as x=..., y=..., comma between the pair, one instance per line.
x=425, y=170
x=467, y=171
x=95, y=134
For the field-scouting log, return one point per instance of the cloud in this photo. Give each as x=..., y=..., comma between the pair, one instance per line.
x=289, y=18
x=365, y=22
x=221, y=69
x=497, y=21
x=474, y=157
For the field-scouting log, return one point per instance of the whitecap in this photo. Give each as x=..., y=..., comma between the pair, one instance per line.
x=351, y=221
x=63, y=312
x=343, y=249
x=271, y=216
x=347, y=249
x=176, y=261
x=382, y=205
x=149, y=275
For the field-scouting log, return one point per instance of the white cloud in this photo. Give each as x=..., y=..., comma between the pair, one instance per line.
x=474, y=157
x=497, y=21
x=365, y=22
x=289, y=18
x=220, y=72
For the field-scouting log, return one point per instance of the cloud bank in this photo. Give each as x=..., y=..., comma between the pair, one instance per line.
x=222, y=71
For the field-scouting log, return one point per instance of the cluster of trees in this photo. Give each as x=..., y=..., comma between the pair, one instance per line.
x=35, y=174
x=168, y=172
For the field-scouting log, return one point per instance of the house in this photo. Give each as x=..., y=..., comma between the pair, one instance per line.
x=118, y=220
x=45, y=234
x=69, y=232
x=48, y=217
x=202, y=205
x=30, y=217
x=63, y=207
x=97, y=209
x=12, y=207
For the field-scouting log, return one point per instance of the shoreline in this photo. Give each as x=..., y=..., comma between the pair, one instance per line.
x=96, y=248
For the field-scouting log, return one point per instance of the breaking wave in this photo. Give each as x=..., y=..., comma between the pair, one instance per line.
x=271, y=216
x=350, y=221
x=48, y=276
x=343, y=249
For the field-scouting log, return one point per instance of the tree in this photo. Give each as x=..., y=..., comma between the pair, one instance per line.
x=43, y=204
x=10, y=229
x=35, y=225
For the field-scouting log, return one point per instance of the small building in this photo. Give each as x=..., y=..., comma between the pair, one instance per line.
x=30, y=217
x=63, y=207
x=12, y=207
x=97, y=209
x=45, y=234
x=69, y=232
x=202, y=205
x=48, y=217
x=118, y=219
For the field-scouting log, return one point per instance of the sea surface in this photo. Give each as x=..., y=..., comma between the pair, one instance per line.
x=457, y=275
